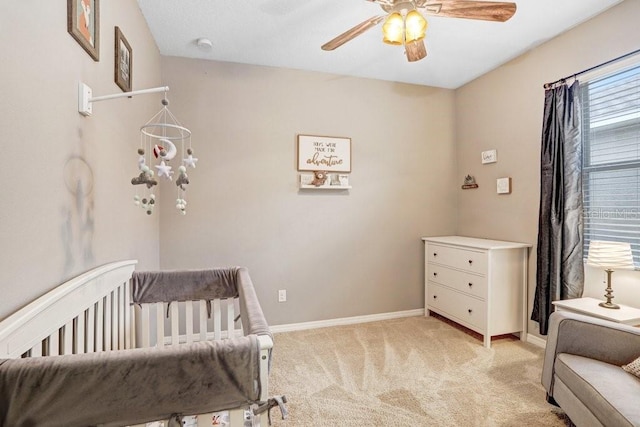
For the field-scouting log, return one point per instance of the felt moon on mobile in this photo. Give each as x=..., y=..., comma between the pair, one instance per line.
x=168, y=146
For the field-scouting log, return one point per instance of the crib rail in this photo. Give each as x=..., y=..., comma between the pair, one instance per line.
x=237, y=417
x=86, y=314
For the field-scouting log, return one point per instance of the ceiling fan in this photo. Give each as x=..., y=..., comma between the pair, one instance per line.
x=405, y=25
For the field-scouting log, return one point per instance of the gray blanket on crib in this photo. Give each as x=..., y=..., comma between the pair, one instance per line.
x=129, y=386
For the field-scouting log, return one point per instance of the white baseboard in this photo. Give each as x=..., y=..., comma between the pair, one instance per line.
x=537, y=341
x=346, y=321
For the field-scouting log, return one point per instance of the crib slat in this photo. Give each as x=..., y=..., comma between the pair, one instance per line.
x=216, y=319
x=113, y=315
x=115, y=328
x=203, y=320
x=175, y=318
x=67, y=338
x=188, y=318
x=91, y=322
x=159, y=324
x=54, y=344
x=129, y=325
x=122, y=308
x=117, y=307
x=80, y=331
x=146, y=321
x=36, y=350
x=99, y=326
x=130, y=335
x=230, y=318
x=107, y=321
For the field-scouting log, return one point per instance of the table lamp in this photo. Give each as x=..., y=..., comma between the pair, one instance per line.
x=610, y=256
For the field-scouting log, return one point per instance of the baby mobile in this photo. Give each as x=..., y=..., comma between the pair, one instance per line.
x=158, y=139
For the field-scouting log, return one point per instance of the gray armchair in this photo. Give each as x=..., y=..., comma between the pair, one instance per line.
x=582, y=370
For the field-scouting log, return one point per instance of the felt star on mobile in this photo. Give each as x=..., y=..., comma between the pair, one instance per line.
x=164, y=170
x=190, y=161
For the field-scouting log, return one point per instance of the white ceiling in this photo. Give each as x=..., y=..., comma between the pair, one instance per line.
x=289, y=33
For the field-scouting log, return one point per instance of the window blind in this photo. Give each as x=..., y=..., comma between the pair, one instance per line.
x=611, y=159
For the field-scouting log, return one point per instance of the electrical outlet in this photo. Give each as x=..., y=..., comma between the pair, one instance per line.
x=282, y=295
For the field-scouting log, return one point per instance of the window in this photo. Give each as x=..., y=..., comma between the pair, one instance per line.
x=611, y=159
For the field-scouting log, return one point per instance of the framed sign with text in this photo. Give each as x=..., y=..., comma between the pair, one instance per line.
x=324, y=153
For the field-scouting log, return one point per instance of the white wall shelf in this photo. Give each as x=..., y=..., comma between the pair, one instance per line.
x=324, y=187
x=340, y=181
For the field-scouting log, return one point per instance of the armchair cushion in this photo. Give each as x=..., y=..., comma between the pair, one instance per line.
x=609, y=392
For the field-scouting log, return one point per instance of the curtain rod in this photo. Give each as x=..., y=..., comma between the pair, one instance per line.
x=619, y=58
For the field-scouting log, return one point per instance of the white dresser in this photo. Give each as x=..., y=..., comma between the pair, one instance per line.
x=480, y=284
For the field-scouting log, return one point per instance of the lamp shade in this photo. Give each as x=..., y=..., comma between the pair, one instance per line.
x=415, y=26
x=393, y=29
x=610, y=255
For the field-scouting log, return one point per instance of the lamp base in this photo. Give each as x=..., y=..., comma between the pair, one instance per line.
x=609, y=305
x=609, y=293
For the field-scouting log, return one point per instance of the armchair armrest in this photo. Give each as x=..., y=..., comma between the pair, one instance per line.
x=590, y=337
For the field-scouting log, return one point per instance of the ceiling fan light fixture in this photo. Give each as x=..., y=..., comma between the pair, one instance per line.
x=415, y=26
x=393, y=29
x=404, y=21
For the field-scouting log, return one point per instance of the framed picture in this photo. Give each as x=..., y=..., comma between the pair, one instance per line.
x=83, y=23
x=324, y=153
x=123, y=71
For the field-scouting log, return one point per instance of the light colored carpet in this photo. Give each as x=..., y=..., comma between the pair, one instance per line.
x=416, y=371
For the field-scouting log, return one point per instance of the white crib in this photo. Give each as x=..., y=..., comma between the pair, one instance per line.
x=94, y=313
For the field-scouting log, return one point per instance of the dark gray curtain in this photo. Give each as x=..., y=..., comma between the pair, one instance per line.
x=560, y=272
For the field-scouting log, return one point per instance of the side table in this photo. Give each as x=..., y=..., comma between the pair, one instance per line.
x=589, y=306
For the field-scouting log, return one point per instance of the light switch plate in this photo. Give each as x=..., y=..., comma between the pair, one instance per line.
x=503, y=185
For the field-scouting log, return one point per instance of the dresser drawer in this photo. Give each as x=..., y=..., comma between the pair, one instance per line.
x=465, y=259
x=464, y=282
x=464, y=308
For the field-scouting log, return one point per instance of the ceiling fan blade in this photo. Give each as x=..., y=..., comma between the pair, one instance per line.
x=415, y=50
x=353, y=33
x=384, y=2
x=482, y=10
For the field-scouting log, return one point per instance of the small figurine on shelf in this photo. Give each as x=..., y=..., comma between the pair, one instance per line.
x=319, y=177
x=469, y=182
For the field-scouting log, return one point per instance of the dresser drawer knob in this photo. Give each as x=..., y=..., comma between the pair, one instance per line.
x=435, y=274
x=470, y=311
x=435, y=254
x=435, y=297
x=470, y=262
x=470, y=284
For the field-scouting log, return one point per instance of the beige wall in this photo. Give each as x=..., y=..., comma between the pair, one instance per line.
x=337, y=254
x=503, y=110
x=50, y=231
